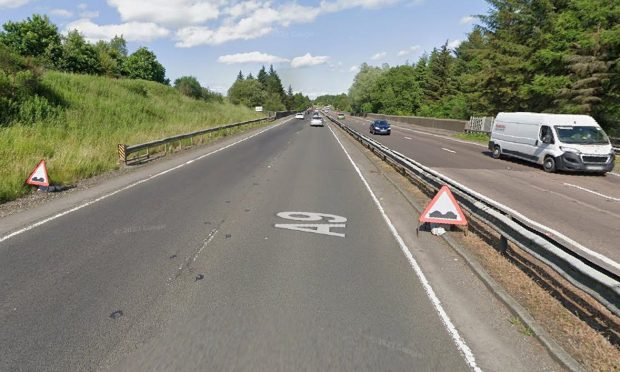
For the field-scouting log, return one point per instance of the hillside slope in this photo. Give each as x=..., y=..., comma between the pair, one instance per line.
x=93, y=114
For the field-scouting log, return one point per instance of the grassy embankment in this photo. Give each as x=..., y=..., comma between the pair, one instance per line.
x=96, y=113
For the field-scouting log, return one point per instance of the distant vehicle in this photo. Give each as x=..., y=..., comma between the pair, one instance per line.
x=380, y=127
x=556, y=141
x=341, y=116
x=299, y=115
x=316, y=121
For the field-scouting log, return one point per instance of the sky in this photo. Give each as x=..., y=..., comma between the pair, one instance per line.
x=316, y=46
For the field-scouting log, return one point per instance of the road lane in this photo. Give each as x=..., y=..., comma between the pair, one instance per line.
x=587, y=218
x=204, y=278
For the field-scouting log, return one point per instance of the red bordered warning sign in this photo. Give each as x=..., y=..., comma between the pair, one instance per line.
x=443, y=209
x=39, y=176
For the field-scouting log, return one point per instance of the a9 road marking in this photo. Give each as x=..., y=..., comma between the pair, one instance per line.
x=333, y=221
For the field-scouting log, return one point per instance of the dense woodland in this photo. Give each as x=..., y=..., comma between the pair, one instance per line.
x=559, y=56
x=266, y=90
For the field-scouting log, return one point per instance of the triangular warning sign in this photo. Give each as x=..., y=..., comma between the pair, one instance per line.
x=39, y=177
x=444, y=209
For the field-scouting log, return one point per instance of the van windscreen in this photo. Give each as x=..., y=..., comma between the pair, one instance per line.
x=581, y=135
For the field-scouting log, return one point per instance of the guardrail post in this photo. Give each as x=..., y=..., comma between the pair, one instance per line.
x=122, y=153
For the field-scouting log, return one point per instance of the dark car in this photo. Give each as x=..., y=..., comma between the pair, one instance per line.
x=380, y=127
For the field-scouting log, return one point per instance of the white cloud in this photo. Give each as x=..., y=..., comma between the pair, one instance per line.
x=243, y=8
x=61, y=13
x=167, y=12
x=131, y=31
x=411, y=50
x=339, y=5
x=250, y=57
x=454, y=44
x=308, y=60
x=354, y=68
x=467, y=20
x=13, y=3
x=252, y=27
x=82, y=6
x=241, y=20
x=89, y=14
x=378, y=56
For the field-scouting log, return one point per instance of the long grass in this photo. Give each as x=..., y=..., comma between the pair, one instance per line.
x=99, y=113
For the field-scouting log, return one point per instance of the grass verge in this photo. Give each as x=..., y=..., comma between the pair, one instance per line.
x=97, y=113
x=474, y=137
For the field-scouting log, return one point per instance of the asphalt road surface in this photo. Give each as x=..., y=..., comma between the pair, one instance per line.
x=585, y=208
x=202, y=268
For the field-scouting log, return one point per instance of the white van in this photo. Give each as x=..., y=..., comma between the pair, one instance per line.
x=556, y=141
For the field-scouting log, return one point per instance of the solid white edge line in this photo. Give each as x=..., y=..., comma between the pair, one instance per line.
x=58, y=215
x=448, y=150
x=454, y=333
x=614, y=174
x=592, y=192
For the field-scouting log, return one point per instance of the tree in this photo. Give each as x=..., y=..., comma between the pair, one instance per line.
x=79, y=56
x=189, y=86
x=247, y=92
x=112, y=55
x=439, y=81
x=363, y=84
x=240, y=76
x=143, y=64
x=289, y=101
x=262, y=77
x=35, y=37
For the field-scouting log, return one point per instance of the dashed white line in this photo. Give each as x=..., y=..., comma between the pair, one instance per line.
x=454, y=333
x=408, y=138
x=592, y=192
x=64, y=213
x=448, y=150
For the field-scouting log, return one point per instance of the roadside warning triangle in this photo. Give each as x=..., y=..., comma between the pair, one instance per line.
x=444, y=209
x=39, y=177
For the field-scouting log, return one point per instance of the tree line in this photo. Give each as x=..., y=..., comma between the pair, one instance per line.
x=266, y=90
x=559, y=56
x=39, y=39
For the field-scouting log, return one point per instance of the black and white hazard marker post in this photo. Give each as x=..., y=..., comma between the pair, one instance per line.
x=39, y=176
x=443, y=209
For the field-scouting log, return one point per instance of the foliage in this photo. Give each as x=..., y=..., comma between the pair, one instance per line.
x=22, y=96
x=143, y=64
x=79, y=56
x=34, y=37
x=339, y=102
x=189, y=86
x=266, y=90
x=542, y=56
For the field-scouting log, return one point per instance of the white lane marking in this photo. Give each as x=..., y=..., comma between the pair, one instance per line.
x=448, y=150
x=454, y=333
x=592, y=192
x=408, y=138
x=46, y=220
x=614, y=174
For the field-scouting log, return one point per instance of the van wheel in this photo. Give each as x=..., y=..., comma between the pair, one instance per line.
x=497, y=152
x=549, y=164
